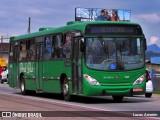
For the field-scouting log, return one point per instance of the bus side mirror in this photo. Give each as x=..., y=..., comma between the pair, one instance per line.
x=81, y=54
x=145, y=44
x=82, y=45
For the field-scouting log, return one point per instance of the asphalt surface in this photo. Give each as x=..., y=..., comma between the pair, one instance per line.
x=52, y=106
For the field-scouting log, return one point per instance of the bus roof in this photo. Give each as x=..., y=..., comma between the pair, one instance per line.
x=72, y=25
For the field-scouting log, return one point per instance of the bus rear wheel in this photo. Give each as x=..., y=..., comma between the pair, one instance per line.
x=65, y=89
x=117, y=98
x=22, y=86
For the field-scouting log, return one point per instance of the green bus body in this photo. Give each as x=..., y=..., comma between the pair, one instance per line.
x=48, y=76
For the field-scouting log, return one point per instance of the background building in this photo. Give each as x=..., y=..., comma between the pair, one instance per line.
x=4, y=48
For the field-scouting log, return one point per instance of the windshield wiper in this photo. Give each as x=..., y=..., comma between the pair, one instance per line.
x=123, y=47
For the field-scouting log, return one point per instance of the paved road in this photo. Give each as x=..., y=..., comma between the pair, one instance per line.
x=12, y=100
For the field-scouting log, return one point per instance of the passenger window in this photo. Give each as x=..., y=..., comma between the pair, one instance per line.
x=31, y=50
x=57, y=46
x=66, y=50
x=11, y=53
x=48, y=51
x=23, y=52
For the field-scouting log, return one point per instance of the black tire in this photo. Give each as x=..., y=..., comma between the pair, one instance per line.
x=117, y=98
x=148, y=95
x=65, y=90
x=22, y=86
x=2, y=81
x=7, y=81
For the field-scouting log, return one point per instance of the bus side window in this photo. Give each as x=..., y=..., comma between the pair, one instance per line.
x=31, y=50
x=54, y=46
x=48, y=48
x=23, y=52
x=57, y=46
x=66, y=50
x=11, y=52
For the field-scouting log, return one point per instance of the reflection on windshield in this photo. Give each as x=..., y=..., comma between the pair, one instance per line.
x=114, y=53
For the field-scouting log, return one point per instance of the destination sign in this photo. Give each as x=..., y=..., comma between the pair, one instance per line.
x=113, y=29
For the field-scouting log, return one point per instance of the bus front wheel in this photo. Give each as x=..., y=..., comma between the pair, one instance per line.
x=65, y=88
x=118, y=98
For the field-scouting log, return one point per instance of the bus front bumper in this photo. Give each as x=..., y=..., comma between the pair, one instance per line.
x=90, y=90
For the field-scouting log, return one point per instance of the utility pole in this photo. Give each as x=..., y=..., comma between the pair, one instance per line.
x=29, y=25
x=1, y=45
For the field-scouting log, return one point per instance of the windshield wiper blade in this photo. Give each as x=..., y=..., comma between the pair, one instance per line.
x=123, y=47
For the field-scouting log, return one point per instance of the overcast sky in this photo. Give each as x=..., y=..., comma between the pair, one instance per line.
x=55, y=13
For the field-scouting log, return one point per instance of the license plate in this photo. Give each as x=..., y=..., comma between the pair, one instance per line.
x=137, y=89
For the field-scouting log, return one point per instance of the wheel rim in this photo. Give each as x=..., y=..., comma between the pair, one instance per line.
x=65, y=89
x=22, y=87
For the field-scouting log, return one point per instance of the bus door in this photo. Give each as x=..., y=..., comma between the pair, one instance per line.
x=77, y=65
x=39, y=67
x=14, y=67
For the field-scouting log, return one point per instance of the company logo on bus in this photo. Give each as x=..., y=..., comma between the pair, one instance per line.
x=117, y=77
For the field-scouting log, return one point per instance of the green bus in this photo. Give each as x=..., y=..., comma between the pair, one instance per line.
x=82, y=58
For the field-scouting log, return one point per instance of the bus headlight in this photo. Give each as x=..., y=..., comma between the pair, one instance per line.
x=139, y=80
x=91, y=80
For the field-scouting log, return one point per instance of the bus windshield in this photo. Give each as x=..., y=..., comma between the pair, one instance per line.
x=114, y=54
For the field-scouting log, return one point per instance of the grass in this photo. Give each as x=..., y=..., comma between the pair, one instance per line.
x=156, y=92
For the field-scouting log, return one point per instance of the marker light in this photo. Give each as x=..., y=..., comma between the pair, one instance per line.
x=91, y=80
